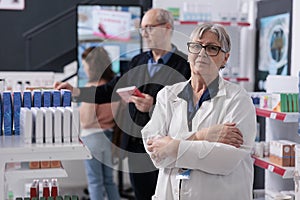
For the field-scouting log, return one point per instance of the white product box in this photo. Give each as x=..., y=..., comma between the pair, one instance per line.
x=57, y=124
x=75, y=124
x=48, y=120
x=26, y=125
x=38, y=125
x=66, y=124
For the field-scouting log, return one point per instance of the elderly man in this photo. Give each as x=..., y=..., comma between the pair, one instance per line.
x=162, y=64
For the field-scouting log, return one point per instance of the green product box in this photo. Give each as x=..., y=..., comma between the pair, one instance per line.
x=295, y=102
x=283, y=102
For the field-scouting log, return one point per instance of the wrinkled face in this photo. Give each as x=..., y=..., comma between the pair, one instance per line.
x=153, y=33
x=206, y=63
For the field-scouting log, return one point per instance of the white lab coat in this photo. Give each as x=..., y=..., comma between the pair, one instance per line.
x=219, y=171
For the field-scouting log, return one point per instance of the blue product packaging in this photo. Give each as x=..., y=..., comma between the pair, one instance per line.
x=17, y=104
x=66, y=98
x=7, y=113
x=47, y=98
x=27, y=99
x=56, y=98
x=37, y=98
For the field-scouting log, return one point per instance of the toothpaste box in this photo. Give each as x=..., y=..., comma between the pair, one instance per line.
x=27, y=99
x=66, y=97
x=37, y=98
x=26, y=125
x=17, y=104
x=7, y=113
x=47, y=98
x=56, y=98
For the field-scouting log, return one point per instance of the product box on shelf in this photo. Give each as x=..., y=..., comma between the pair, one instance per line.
x=27, y=99
x=37, y=98
x=7, y=113
x=48, y=121
x=34, y=165
x=26, y=127
x=293, y=151
x=17, y=104
x=47, y=98
x=38, y=125
x=57, y=124
x=66, y=97
x=45, y=164
x=280, y=153
x=75, y=124
x=56, y=98
x=66, y=124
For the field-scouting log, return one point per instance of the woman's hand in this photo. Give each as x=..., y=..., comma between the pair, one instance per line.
x=142, y=104
x=226, y=133
x=63, y=85
x=162, y=148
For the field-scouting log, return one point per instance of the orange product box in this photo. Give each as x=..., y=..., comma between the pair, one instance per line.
x=292, y=155
x=34, y=165
x=45, y=164
x=55, y=164
x=280, y=153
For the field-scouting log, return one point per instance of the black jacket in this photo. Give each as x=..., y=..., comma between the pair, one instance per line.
x=175, y=70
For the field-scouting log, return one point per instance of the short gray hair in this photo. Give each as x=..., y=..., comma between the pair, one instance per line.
x=217, y=29
x=164, y=16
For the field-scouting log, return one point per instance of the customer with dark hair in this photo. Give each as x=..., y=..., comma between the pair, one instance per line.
x=97, y=125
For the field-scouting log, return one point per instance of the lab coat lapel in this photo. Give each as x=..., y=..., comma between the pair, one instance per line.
x=205, y=109
x=179, y=110
x=207, y=106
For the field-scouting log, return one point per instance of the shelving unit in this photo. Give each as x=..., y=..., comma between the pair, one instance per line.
x=284, y=172
x=278, y=126
x=224, y=23
x=285, y=117
x=13, y=174
x=13, y=149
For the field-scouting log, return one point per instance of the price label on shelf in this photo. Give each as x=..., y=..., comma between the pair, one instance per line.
x=273, y=115
x=271, y=168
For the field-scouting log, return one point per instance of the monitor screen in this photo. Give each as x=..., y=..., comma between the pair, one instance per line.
x=111, y=26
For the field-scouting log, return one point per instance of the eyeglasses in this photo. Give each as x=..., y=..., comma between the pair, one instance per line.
x=211, y=50
x=149, y=28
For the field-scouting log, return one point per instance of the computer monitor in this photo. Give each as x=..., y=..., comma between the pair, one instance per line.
x=115, y=27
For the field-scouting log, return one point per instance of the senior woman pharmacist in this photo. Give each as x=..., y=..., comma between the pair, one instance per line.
x=201, y=131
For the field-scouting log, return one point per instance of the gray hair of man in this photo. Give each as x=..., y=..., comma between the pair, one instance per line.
x=164, y=16
x=217, y=29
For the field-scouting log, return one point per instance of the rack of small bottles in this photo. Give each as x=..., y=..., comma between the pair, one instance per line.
x=66, y=197
x=44, y=191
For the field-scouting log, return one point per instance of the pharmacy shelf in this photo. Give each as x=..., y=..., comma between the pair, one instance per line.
x=13, y=149
x=224, y=23
x=26, y=173
x=284, y=172
x=285, y=117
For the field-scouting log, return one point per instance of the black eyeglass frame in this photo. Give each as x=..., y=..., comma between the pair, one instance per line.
x=148, y=28
x=205, y=47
